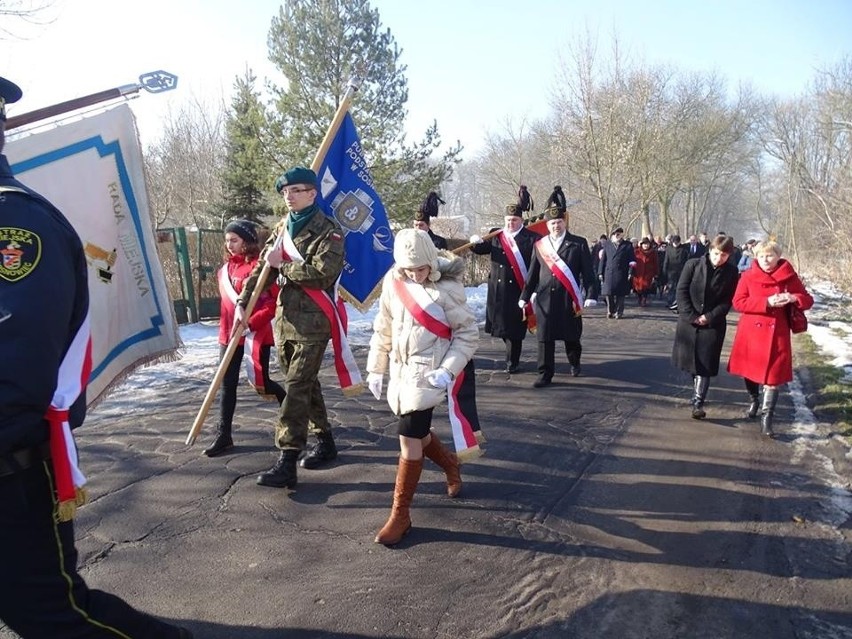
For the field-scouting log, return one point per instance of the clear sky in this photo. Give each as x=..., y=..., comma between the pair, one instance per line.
x=471, y=63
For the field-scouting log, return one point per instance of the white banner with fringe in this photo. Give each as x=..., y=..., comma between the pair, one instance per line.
x=92, y=171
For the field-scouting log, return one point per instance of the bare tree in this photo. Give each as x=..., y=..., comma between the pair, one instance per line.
x=185, y=168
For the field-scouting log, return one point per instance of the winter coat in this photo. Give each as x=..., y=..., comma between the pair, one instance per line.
x=745, y=261
x=554, y=310
x=407, y=350
x=238, y=270
x=673, y=263
x=645, y=270
x=615, y=267
x=762, y=350
x=503, y=318
x=298, y=317
x=708, y=291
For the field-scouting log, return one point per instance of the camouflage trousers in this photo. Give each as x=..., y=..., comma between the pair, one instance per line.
x=303, y=408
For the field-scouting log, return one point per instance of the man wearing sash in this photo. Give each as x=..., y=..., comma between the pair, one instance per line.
x=561, y=270
x=511, y=255
x=307, y=264
x=45, y=342
x=424, y=335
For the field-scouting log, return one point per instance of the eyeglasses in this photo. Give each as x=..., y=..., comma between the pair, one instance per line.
x=293, y=191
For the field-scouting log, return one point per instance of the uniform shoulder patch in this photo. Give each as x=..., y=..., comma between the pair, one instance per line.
x=20, y=251
x=337, y=237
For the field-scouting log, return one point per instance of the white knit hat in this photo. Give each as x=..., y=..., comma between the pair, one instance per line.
x=413, y=248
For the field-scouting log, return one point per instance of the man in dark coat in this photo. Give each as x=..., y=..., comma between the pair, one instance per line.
x=673, y=261
x=705, y=294
x=614, y=272
x=561, y=269
x=44, y=314
x=594, y=291
x=511, y=254
x=422, y=222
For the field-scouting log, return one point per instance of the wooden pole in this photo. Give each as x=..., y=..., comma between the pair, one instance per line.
x=264, y=273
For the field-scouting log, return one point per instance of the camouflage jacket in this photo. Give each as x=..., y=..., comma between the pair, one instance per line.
x=297, y=316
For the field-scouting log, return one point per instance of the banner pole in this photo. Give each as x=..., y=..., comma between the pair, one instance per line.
x=153, y=82
x=336, y=121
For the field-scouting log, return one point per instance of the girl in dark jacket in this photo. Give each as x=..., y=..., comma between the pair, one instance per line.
x=705, y=292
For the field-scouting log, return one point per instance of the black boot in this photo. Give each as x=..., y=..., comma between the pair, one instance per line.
x=753, y=389
x=323, y=451
x=222, y=443
x=699, y=394
x=283, y=473
x=767, y=410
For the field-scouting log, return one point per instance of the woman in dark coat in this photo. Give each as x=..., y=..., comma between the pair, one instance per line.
x=503, y=318
x=762, y=352
x=613, y=271
x=705, y=293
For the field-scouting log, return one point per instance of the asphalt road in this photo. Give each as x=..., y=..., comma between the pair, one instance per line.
x=601, y=509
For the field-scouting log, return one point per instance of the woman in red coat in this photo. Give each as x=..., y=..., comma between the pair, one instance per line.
x=645, y=270
x=762, y=352
x=242, y=249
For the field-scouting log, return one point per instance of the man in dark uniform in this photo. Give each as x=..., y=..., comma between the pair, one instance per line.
x=421, y=222
x=302, y=328
x=511, y=255
x=561, y=270
x=614, y=272
x=44, y=306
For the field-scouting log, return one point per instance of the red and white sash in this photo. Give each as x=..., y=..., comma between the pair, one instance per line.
x=561, y=272
x=252, y=345
x=332, y=306
x=516, y=260
x=430, y=315
x=71, y=381
x=519, y=268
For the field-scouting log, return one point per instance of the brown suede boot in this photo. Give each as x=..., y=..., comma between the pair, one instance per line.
x=447, y=460
x=399, y=523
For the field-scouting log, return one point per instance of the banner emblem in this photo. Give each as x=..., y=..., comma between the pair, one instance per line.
x=21, y=252
x=354, y=211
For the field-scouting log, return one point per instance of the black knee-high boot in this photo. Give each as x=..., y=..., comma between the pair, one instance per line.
x=767, y=410
x=753, y=389
x=700, y=384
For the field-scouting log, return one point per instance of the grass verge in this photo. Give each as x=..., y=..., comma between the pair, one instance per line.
x=828, y=395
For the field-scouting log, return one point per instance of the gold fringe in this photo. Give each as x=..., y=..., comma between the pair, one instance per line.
x=81, y=496
x=65, y=510
x=480, y=437
x=168, y=355
x=354, y=390
x=469, y=454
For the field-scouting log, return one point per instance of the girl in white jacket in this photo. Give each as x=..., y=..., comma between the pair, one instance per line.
x=424, y=335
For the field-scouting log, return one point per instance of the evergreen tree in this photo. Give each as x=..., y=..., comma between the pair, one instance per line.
x=319, y=45
x=248, y=174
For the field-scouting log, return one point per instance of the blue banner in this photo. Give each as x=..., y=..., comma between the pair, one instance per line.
x=347, y=195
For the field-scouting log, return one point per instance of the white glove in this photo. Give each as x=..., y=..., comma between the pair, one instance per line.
x=375, y=383
x=476, y=239
x=275, y=258
x=439, y=378
x=522, y=304
x=240, y=324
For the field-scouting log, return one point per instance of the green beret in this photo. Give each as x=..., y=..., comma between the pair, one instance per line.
x=296, y=175
x=553, y=213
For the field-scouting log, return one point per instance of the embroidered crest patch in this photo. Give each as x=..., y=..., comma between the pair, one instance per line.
x=20, y=251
